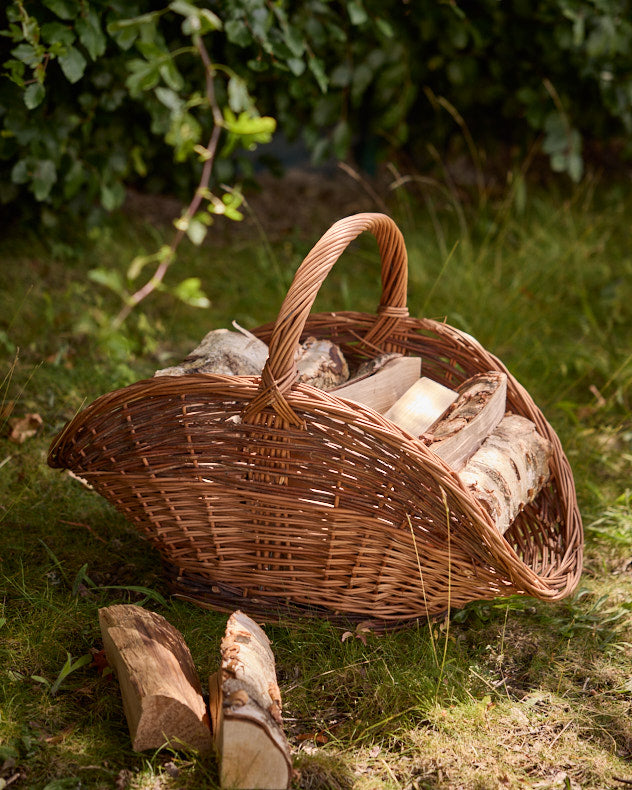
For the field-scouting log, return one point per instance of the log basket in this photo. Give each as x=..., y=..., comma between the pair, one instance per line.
x=271, y=496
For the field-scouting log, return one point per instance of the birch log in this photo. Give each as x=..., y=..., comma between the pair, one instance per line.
x=381, y=389
x=225, y=352
x=509, y=469
x=245, y=705
x=162, y=696
x=321, y=363
x=420, y=406
x=476, y=412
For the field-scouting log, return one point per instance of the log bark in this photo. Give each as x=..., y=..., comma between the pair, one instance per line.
x=420, y=406
x=509, y=469
x=162, y=696
x=245, y=705
x=381, y=389
x=321, y=363
x=223, y=351
x=476, y=412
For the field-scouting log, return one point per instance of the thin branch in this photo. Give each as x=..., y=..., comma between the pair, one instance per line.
x=209, y=160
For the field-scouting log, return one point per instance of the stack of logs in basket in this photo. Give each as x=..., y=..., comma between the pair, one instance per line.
x=500, y=457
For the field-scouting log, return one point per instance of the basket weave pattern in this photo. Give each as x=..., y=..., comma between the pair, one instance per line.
x=275, y=496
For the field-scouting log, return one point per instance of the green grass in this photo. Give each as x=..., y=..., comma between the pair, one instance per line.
x=512, y=693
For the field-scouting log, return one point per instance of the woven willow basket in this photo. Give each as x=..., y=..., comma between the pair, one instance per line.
x=276, y=497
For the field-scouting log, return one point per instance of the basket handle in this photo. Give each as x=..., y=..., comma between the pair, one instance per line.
x=279, y=373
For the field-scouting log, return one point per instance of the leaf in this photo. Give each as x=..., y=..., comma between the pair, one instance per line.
x=238, y=96
x=109, y=278
x=90, y=34
x=65, y=9
x=57, y=32
x=357, y=14
x=169, y=98
x=73, y=64
x=34, y=95
x=318, y=70
x=43, y=177
x=190, y=291
x=69, y=667
x=152, y=594
x=27, y=54
x=23, y=428
x=112, y=196
x=196, y=231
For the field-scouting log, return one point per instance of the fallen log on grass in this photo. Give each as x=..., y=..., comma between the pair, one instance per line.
x=162, y=696
x=509, y=469
x=245, y=705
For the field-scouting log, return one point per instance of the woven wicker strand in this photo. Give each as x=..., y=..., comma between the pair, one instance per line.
x=280, y=499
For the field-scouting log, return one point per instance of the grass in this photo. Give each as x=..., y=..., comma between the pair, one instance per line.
x=511, y=693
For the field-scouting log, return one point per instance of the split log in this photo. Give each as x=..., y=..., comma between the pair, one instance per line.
x=476, y=412
x=321, y=363
x=245, y=705
x=225, y=352
x=509, y=469
x=162, y=696
x=381, y=389
x=420, y=406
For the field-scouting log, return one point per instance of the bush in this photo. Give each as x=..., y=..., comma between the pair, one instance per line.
x=98, y=94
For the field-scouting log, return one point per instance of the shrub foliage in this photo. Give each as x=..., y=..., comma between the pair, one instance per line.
x=96, y=94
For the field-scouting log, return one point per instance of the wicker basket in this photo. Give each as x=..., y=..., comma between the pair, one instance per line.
x=275, y=497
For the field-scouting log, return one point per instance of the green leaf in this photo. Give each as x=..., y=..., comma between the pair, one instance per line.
x=143, y=76
x=112, y=196
x=318, y=70
x=357, y=14
x=190, y=290
x=238, y=96
x=43, y=178
x=237, y=32
x=385, y=28
x=90, y=34
x=296, y=66
x=69, y=667
x=170, y=74
x=34, y=95
x=109, y=278
x=152, y=594
x=73, y=64
x=27, y=54
x=196, y=231
x=56, y=32
x=170, y=99
x=342, y=139
x=65, y=9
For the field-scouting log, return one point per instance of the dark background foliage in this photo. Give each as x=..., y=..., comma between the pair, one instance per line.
x=99, y=94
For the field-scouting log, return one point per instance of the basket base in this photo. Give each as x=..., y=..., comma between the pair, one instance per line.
x=197, y=589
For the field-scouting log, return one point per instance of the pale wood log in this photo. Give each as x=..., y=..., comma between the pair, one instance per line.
x=245, y=705
x=162, y=696
x=380, y=390
x=420, y=406
x=321, y=363
x=225, y=352
x=476, y=412
x=509, y=469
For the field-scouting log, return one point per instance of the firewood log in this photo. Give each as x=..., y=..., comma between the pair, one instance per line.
x=381, y=389
x=509, y=469
x=162, y=696
x=245, y=705
x=222, y=351
x=420, y=406
x=321, y=363
x=476, y=412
